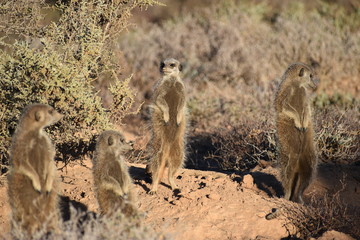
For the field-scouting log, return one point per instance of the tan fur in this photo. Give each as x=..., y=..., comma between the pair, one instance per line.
x=295, y=129
x=168, y=120
x=111, y=177
x=33, y=186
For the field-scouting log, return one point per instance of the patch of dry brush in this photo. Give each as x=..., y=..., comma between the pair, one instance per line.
x=324, y=213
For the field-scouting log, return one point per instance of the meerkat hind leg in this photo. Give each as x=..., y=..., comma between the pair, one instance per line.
x=174, y=165
x=157, y=173
x=171, y=176
x=291, y=186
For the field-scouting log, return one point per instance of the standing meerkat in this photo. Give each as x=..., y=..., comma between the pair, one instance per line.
x=111, y=176
x=33, y=186
x=295, y=129
x=168, y=118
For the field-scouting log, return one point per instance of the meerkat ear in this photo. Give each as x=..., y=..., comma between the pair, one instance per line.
x=110, y=140
x=302, y=72
x=180, y=67
x=38, y=116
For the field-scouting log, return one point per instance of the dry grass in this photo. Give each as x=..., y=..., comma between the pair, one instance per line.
x=254, y=51
x=86, y=225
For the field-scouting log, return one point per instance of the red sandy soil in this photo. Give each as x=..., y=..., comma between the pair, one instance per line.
x=211, y=205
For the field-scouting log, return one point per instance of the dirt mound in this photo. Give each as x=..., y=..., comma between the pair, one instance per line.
x=211, y=205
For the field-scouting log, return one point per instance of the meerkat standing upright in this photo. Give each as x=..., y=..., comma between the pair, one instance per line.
x=295, y=129
x=33, y=192
x=111, y=177
x=168, y=119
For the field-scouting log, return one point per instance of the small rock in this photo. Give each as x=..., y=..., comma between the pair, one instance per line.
x=214, y=196
x=248, y=181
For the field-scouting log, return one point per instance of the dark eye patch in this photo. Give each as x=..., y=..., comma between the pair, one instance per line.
x=110, y=141
x=301, y=72
x=172, y=65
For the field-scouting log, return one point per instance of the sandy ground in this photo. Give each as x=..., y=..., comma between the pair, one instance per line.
x=211, y=205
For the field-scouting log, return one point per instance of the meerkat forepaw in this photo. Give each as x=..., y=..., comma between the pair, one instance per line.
x=166, y=118
x=37, y=185
x=178, y=119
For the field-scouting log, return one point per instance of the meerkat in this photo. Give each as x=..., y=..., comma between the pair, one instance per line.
x=33, y=186
x=298, y=159
x=111, y=176
x=168, y=118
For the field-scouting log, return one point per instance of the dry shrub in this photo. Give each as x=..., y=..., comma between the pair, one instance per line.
x=243, y=146
x=57, y=63
x=324, y=213
x=337, y=135
x=238, y=147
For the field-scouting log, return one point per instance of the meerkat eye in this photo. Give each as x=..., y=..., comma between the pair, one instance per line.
x=311, y=75
x=162, y=64
x=172, y=65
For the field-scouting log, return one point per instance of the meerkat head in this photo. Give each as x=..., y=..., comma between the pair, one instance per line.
x=38, y=116
x=113, y=141
x=170, y=67
x=303, y=76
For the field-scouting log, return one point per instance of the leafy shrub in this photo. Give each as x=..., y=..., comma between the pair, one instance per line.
x=57, y=63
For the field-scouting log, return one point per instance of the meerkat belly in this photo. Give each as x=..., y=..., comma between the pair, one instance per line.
x=289, y=136
x=40, y=157
x=172, y=98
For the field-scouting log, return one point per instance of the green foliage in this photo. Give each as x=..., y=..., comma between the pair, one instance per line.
x=341, y=18
x=57, y=62
x=123, y=99
x=323, y=100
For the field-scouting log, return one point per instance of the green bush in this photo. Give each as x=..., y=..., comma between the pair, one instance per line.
x=57, y=63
